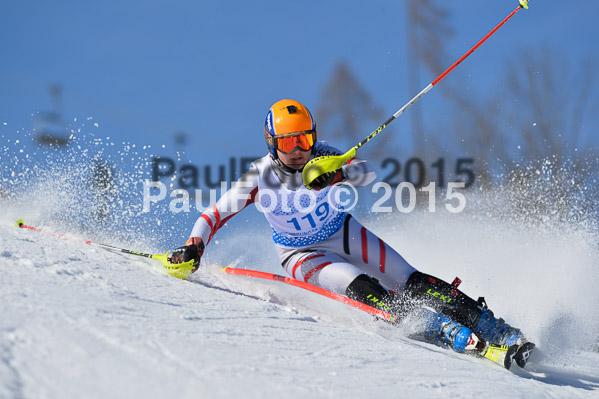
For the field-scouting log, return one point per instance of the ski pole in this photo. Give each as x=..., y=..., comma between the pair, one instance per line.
x=180, y=270
x=329, y=163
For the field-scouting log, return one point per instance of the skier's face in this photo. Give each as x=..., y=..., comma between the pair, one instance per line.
x=296, y=159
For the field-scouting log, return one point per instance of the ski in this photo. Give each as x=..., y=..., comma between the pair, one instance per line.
x=523, y=354
x=501, y=354
x=506, y=355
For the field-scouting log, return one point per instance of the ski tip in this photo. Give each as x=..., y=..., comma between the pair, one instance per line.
x=501, y=354
x=510, y=356
x=19, y=223
x=524, y=4
x=523, y=354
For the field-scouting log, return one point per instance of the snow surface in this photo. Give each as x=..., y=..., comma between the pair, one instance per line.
x=78, y=321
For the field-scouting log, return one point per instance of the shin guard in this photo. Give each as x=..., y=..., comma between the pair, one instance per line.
x=443, y=297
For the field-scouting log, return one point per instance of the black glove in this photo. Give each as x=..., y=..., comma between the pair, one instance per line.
x=192, y=250
x=327, y=179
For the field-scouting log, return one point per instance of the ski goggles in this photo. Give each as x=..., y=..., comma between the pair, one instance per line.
x=287, y=143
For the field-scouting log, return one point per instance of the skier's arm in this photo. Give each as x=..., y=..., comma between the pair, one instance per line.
x=241, y=194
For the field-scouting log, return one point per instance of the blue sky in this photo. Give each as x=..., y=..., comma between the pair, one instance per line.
x=146, y=69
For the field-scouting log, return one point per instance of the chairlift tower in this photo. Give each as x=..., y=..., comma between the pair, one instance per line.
x=49, y=126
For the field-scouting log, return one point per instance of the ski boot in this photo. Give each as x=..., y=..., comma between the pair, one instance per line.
x=499, y=335
x=460, y=338
x=497, y=331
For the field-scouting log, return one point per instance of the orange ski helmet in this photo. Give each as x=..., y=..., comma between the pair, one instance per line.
x=289, y=126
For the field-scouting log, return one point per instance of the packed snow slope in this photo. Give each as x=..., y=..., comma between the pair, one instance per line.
x=78, y=321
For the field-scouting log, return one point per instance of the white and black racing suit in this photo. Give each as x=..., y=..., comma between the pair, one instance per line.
x=316, y=240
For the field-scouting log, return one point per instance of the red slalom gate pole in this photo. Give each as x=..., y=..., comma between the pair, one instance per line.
x=321, y=291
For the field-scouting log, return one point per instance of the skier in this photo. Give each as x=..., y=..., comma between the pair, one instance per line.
x=318, y=242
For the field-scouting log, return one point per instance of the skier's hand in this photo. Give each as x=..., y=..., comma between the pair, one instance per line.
x=327, y=179
x=192, y=250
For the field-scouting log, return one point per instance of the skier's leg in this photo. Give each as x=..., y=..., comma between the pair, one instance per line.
x=331, y=272
x=356, y=263
x=450, y=301
x=321, y=268
x=434, y=326
x=443, y=297
x=387, y=267
x=360, y=252
x=440, y=327
x=382, y=269
x=368, y=290
x=497, y=331
x=360, y=247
